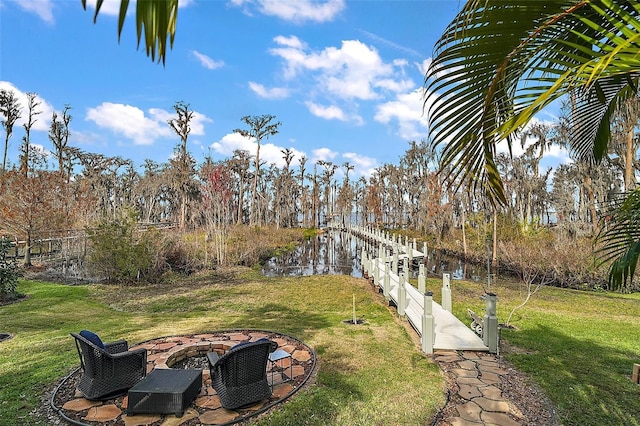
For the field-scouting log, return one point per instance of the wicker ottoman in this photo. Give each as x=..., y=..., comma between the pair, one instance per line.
x=164, y=391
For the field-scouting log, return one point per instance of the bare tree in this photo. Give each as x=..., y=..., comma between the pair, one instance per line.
x=59, y=136
x=260, y=127
x=183, y=164
x=532, y=261
x=25, y=149
x=11, y=112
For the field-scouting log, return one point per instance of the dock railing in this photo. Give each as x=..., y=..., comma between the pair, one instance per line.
x=386, y=261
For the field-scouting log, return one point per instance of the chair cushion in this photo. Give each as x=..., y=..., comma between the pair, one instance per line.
x=93, y=338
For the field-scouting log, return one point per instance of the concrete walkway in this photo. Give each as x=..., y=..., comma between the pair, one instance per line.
x=476, y=398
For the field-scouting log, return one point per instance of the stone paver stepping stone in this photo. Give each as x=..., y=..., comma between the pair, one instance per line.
x=103, y=413
x=493, y=369
x=459, y=421
x=491, y=392
x=492, y=405
x=469, y=392
x=489, y=378
x=211, y=402
x=296, y=371
x=172, y=420
x=448, y=358
x=498, y=419
x=282, y=390
x=469, y=411
x=216, y=417
x=80, y=404
x=470, y=381
x=301, y=356
x=465, y=373
x=468, y=365
x=140, y=419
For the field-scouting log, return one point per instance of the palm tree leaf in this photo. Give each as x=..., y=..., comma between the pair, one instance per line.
x=619, y=239
x=155, y=18
x=546, y=49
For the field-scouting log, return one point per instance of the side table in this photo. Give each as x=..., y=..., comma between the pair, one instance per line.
x=275, y=357
x=164, y=391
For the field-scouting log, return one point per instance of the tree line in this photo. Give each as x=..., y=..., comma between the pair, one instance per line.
x=69, y=188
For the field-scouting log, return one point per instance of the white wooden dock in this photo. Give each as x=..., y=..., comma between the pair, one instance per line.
x=383, y=256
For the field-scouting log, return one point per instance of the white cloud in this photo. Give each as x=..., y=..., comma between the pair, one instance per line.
x=424, y=65
x=363, y=165
x=292, y=41
x=42, y=8
x=407, y=111
x=112, y=7
x=273, y=93
x=353, y=71
x=297, y=11
x=269, y=152
x=131, y=122
x=324, y=154
x=206, y=61
x=197, y=123
x=331, y=112
x=392, y=44
x=43, y=120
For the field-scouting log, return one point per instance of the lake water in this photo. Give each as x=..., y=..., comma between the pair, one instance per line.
x=336, y=252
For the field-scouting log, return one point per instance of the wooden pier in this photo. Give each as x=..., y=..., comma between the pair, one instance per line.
x=386, y=261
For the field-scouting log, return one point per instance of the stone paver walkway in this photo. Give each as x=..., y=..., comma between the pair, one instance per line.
x=477, y=397
x=168, y=352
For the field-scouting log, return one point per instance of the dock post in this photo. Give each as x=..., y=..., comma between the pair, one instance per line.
x=402, y=294
x=446, y=292
x=395, y=260
x=490, y=328
x=387, y=282
x=428, y=325
x=422, y=280
x=376, y=272
x=424, y=250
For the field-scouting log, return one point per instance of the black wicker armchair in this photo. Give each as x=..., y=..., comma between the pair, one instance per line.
x=108, y=369
x=240, y=375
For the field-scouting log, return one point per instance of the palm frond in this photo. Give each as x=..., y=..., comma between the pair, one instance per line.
x=619, y=239
x=155, y=18
x=507, y=60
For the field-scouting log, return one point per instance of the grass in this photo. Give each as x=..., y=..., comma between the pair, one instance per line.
x=579, y=347
x=368, y=374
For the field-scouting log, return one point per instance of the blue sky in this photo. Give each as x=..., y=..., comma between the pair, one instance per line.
x=344, y=77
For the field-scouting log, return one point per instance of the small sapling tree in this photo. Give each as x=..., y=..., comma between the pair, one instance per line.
x=532, y=260
x=9, y=272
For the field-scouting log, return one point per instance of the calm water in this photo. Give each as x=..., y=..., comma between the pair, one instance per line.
x=336, y=252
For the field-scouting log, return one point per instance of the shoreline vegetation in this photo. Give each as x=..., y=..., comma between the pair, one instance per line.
x=584, y=341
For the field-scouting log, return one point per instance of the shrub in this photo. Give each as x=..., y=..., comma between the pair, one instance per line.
x=118, y=252
x=9, y=272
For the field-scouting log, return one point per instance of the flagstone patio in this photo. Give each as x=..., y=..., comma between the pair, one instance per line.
x=184, y=351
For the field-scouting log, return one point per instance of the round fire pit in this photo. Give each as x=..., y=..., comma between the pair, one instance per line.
x=190, y=352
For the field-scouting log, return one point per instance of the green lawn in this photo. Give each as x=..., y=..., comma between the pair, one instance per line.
x=579, y=347
x=369, y=374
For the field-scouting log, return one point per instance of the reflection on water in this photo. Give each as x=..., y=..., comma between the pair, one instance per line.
x=333, y=252
x=336, y=252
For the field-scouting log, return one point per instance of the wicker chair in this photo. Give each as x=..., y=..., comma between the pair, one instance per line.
x=240, y=375
x=108, y=369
